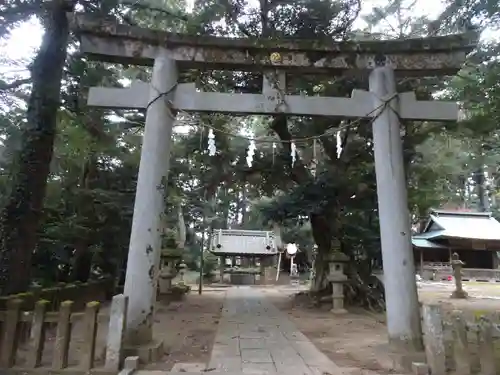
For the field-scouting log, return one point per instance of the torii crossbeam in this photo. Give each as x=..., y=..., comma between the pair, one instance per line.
x=381, y=60
x=187, y=98
x=108, y=41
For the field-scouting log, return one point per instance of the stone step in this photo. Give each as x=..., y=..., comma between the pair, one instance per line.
x=146, y=372
x=350, y=372
x=343, y=371
x=238, y=373
x=196, y=367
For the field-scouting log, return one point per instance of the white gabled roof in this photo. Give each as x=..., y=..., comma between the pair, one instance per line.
x=422, y=242
x=467, y=225
x=243, y=242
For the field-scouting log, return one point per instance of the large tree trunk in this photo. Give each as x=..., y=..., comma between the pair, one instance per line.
x=322, y=237
x=320, y=225
x=82, y=262
x=82, y=257
x=362, y=289
x=243, y=205
x=225, y=208
x=19, y=219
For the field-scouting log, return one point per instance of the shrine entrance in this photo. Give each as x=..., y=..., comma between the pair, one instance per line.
x=382, y=105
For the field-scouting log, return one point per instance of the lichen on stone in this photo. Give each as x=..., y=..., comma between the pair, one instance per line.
x=93, y=304
x=89, y=24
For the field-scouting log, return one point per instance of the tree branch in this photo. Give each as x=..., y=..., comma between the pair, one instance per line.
x=4, y=86
x=147, y=6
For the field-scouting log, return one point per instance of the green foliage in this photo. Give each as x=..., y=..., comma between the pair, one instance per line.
x=179, y=289
x=177, y=292
x=210, y=263
x=459, y=15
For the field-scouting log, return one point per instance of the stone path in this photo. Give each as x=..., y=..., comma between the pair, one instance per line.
x=254, y=337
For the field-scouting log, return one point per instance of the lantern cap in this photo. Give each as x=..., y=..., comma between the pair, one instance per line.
x=291, y=248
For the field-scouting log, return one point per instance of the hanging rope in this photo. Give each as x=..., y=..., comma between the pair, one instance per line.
x=376, y=112
x=329, y=132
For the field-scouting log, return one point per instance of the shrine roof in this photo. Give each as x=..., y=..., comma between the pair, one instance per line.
x=424, y=243
x=242, y=242
x=236, y=251
x=109, y=41
x=247, y=254
x=460, y=225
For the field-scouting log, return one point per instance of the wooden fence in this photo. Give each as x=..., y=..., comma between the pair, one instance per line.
x=80, y=293
x=455, y=344
x=444, y=270
x=42, y=324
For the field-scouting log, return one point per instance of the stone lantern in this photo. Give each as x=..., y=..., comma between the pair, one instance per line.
x=337, y=277
x=182, y=271
x=457, y=266
x=169, y=257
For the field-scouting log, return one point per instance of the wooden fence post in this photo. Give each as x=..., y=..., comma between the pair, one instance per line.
x=486, y=347
x=90, y=327
x=10, y=334
x=37, y=334
x=461, y=353
x=434, y=338
x=116, y=332
x=63, y=336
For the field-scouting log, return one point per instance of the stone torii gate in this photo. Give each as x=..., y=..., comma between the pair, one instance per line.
x=167, y=53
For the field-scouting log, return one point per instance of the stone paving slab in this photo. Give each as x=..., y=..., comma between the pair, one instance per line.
x=231, y=350
x=226, y=364
x=347, y=371
x=295, y=336
x=258, y=343
x=259, y=368
x=254, y=337
x=189, y=367
x=256, y=355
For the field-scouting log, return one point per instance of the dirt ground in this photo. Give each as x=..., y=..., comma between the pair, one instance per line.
x=484, y=299
x=355, y=340
x=359, y=338
x=188, y=328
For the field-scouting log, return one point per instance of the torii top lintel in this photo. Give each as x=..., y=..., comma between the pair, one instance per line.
x=108, y=41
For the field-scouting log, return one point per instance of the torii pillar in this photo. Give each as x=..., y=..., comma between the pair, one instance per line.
x=145, y=239
x=403, y=315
